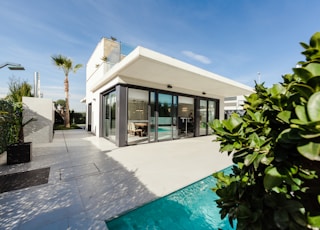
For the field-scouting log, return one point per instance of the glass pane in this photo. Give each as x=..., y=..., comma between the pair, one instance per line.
x=106, y=116
x=203, y=117
x=185, y=116
x=137, y=116
x=165, y=117
x=112, y=104
x=109, y=115
x=152, y=118
x=174, y=117
x=211, y=111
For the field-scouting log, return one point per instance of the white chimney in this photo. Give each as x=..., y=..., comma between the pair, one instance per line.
x=37, y=84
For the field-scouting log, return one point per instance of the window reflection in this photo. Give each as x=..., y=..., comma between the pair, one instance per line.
x=203, y=124
x=156, y=116
x=186, y=116
x=109, y=123
x=137, y=116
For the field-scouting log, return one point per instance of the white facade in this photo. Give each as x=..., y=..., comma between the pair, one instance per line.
x=151, y=70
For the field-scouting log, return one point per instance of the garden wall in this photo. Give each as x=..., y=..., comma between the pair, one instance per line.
x=41, y=109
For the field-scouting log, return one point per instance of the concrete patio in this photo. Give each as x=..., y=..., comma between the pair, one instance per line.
x=91, y=180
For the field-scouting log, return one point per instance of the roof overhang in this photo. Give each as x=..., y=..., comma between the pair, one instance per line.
x=149, y=66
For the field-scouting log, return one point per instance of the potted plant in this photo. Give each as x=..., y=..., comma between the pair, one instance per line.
x=6, y=127
x=18, y=151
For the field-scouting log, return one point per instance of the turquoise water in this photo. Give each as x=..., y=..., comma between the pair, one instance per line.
x=162, y=129
x=191, y=208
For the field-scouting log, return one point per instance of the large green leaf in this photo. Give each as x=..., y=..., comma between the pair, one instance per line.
x=272, y=178
x=313, y=68
x=257, y=116
x=257, y=161
x=296, y=122
x=216, y=123
x=315, y=40
x=309, y=135
x=226, y=148
x=267, y=160
x=311, y=150
x=314, y=221
x=313, y=107
x=256, y=141
x=289, y=136
x=314, y=83
x=303, y=74
x=250, y=158
x=304, y=45
x=232, y=123
x=284, y=116
x=276, y=90
x=301, y=113
x=304, y=90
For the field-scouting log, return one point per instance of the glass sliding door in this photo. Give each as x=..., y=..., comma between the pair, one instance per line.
x=175, y=118
x=157, y=116
x=212, y=114
x=138, y=120
x=153, y=115
x=109, y=115
x=203, y=112
x=186, y=117
x=167, y=105
x=106, y=115
x=113, y=107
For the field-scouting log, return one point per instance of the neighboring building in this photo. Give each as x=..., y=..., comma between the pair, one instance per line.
x=233, y=104
x=149, y=97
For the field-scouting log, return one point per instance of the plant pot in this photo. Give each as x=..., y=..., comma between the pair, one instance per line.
x=19, y=153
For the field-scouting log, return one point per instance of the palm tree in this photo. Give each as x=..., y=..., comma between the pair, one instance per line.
x=66, y=65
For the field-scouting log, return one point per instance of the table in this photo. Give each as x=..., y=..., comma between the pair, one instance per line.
x=186, y=120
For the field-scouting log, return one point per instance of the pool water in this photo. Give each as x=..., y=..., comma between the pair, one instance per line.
x=190, y=208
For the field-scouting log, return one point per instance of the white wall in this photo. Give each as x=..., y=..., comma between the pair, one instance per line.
x=41, y=109
x=96, y=70
x=95, y=60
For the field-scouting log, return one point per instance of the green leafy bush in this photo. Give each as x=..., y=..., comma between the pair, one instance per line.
x=11, y=123
x=8, y=128
x=275, y=146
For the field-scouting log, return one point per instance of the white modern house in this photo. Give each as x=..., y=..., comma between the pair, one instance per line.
x=148, y=97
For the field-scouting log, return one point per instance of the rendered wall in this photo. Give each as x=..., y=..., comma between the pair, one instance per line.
x=95, y=71
x=41, y=109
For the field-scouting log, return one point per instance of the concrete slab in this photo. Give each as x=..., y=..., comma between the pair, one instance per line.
x=165, y=167
x=91, y=180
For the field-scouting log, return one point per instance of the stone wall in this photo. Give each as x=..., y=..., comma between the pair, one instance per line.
x=41, y=129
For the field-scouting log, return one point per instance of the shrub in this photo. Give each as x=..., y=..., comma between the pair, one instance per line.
x=8, y=126
x=275, y=146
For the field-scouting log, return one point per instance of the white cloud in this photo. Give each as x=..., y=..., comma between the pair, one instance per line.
x=196, y=57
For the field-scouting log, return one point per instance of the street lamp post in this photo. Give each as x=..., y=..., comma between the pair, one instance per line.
x=12, y=66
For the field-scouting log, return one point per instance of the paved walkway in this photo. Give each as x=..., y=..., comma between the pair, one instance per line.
x=91, y=180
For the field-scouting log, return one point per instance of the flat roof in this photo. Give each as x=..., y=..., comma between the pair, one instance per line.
x=147, y=65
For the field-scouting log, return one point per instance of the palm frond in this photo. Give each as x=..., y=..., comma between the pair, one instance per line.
x=65, y=63
x=76, y=67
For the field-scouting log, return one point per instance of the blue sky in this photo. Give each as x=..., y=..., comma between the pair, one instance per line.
x=233, y=38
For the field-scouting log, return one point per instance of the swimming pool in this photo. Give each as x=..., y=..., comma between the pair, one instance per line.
x=190, y=208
